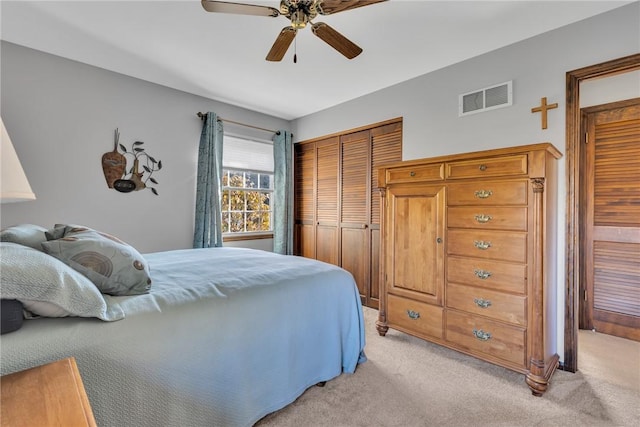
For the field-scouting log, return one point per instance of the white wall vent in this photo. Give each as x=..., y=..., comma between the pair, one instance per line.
x=489, y=98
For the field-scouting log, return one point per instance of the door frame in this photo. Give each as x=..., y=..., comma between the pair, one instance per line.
x=573, y=152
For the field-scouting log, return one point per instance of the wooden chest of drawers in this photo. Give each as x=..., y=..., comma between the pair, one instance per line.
x=481, y=226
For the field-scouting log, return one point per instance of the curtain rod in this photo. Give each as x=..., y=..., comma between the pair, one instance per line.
x=203, y=115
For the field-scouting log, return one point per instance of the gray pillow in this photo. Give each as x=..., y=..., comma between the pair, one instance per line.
x=39, y=280
x=115, y=267
x=25, y=234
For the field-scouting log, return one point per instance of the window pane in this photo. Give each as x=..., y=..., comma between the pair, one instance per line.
x=253, y=221
x=225, y=200
x=255, y=200
x=237, y=222
x=266, y=221
x=225, y=222
x=265, y=181
x=244, y=208
x=237, y=200
x=236, y=179
x=251, y=180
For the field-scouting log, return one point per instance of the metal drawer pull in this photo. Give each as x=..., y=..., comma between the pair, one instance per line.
x=483, y=194
x=483, y=167
x=412, y=173
x=483, y=246
x=482, y=335
x=482, y=303
x=413, y=314
x=481, y=274
x=482, y=218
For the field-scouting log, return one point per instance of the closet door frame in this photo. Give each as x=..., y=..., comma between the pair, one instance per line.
x=573, y=153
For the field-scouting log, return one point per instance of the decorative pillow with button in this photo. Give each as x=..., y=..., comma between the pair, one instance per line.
x=115, y=267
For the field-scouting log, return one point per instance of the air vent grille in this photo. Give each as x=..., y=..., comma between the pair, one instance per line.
x=489, y=98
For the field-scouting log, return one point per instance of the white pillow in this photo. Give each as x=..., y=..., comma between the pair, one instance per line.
x=34, y=309
x=33, y=276
x=25, y=234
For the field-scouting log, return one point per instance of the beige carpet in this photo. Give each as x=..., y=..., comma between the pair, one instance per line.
x=410, y=382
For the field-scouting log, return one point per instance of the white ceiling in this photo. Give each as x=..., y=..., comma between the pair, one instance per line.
x=221, y=56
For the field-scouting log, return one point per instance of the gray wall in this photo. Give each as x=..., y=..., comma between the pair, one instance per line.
x=61, y=116
x=537, y=66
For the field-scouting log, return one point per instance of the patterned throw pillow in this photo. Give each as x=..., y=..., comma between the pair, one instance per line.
x=115, y=267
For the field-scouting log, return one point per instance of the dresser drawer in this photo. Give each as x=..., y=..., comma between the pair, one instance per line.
x=496, y=166
x=414, y=316
x=495, y=193
x=433, y=172
x=488, y=217
x=495, y=245
x=497, y=305
x=496, y=275
x=487, y=336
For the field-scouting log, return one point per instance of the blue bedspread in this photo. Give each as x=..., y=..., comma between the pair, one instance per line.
x=226, y=336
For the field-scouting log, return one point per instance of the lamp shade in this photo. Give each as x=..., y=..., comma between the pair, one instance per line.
x=14, y=186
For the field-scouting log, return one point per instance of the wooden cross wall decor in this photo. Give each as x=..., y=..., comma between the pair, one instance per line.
x=543, y=108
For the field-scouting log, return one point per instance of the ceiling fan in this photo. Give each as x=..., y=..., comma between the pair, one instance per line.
x=300, y=12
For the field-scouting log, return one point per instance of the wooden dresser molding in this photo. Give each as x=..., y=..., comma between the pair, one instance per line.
x=492, y=213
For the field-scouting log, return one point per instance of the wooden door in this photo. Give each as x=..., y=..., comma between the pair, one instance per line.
x=355, y=205
x=386, y=147
x=337, y=203
x=416, y=242
x=611, y=267
x=326, y=201
x=362, y=154
x=304, y=200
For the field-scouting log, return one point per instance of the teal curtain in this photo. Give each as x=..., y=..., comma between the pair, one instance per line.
x=283, y=193
x=208, y=218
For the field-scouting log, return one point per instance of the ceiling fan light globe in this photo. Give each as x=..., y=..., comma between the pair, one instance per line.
x=299, y=19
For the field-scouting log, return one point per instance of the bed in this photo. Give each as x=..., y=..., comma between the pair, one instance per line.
x=223, y=337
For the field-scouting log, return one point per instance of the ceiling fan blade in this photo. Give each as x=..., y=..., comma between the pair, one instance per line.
x=327, y=7
x=336, y=40
x=239, y=8
x=281, y=44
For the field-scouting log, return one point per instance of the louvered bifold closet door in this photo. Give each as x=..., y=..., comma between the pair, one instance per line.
x=327, y=161
x=304, y=200
x=355, y=205
x=386, y=147
x=613, y=277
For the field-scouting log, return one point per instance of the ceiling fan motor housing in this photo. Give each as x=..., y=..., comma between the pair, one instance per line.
x=300, y=13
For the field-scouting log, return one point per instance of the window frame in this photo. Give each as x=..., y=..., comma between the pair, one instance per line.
x=247, y=235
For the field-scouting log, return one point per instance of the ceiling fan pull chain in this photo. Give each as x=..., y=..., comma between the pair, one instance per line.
x=295, y=51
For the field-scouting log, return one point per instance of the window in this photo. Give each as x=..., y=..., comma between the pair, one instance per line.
x=247, y=186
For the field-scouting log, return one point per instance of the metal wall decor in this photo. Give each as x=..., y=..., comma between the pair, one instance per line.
x=114, y=167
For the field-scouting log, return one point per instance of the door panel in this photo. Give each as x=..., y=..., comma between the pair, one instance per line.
x=305, y=240
x=353, y=257
x=327, y=181
x=612, y=221
x=416, y=239
x=327, y=244
x=375, y=268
